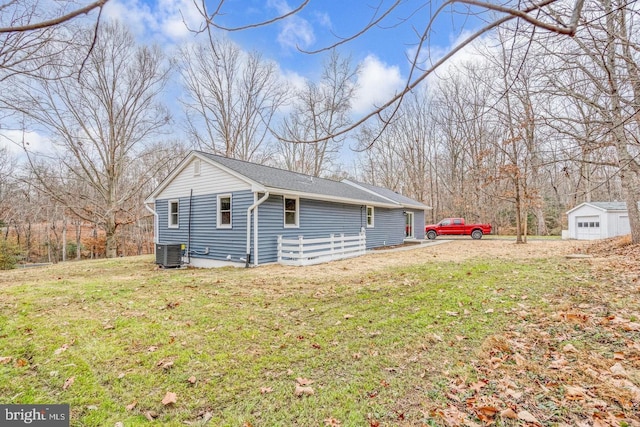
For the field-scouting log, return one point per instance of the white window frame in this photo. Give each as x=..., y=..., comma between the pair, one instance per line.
x=284, y=212
x=219, y=211
x=170, y=223
x=197, y=167
x=372, y=224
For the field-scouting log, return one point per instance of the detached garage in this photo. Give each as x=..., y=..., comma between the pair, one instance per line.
x=598, y=220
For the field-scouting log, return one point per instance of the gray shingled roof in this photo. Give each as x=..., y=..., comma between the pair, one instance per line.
x=390, y=194
x=610, y=206
x=293, y=181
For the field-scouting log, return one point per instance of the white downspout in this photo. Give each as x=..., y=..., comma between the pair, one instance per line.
x=251, y=208
x=155, y=222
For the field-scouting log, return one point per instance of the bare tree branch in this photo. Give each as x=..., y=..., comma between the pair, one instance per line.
x=55, y=21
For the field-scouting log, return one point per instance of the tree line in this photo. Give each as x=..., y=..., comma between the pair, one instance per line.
x=528, y=124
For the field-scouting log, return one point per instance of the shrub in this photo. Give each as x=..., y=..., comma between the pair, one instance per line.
x=8, y=255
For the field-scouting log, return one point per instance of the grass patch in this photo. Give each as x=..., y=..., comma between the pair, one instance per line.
x=380, y=347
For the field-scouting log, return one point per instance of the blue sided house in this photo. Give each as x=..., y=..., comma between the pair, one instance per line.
x=224, y=211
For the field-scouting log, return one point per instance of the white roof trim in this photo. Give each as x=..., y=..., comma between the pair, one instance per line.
x=183, y=164
x=404, y=205
x=315, y=196
x=595, y=207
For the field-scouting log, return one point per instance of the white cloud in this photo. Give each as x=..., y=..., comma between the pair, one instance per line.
x=160, y=21
x=377, y=83
x=296, y=32
x=13, y=140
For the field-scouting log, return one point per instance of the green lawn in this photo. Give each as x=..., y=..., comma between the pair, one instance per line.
x=378, y=348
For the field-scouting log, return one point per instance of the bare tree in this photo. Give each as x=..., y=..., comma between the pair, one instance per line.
x=8, y=166
x=100, y=125
x=541, y=15
x=231, y=98
x=319, y=111
x=604, y=68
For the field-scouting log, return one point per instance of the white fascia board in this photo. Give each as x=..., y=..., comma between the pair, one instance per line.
x=183, y=164
x=359, y=187
x=420, y=208
x=325, y=198
x=404, y=205
x=176, y=171
x=585, y=204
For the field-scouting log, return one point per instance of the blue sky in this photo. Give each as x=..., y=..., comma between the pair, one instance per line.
x=381, y=52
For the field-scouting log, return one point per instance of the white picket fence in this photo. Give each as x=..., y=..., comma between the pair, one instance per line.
x=303, y=251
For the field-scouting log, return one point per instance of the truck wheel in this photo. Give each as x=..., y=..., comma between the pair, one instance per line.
x=476, y=234
x=431, y=235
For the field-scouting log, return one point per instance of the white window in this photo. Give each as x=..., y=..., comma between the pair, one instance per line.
x=370, y=217
x=224, y=211
x=291, y=212
x=196, y=167
x=174, y=214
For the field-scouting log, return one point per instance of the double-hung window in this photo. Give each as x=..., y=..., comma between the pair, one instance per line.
x=174, y=214
x=370, y=222
x=291, y=212
x=224, y=211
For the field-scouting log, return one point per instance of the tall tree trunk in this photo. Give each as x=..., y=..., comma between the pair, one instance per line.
x=626, y=162
x=64, y=238
x=111, y=245
x=78, y=239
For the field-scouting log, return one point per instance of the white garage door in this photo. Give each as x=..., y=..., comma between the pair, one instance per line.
x=588, y=227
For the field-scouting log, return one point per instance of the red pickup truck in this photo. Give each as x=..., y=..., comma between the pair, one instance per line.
x=456, y=227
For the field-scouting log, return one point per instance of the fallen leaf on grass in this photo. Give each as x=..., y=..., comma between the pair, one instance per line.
x=62, y=349
x=68, y=383
x=132, y=405
x=332, y=422
x=5, y=359
x=20, y=363
x=569, y=348
x=299, y=391
x=265, y=390
x=509, y=413
x=558, y=363
x=575, y=393
x=528, y=417
x=169, y=398
x=348, y=316
x=304, y=381
x=165, y=365
x=191, y=379
x=618, y=371
x=452, y=313
x=486, y=413
x=151, y=415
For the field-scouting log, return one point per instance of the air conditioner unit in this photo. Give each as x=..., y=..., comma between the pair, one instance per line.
x=169, y=254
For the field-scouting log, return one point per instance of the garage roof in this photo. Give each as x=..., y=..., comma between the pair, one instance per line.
x=604, y=206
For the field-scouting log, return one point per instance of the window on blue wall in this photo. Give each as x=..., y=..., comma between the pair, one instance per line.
x=174, y=218
x=370, y=216
x=224, y=211
x=290, y=212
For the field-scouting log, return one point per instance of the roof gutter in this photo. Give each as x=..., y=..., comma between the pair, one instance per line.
x=249, y=209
